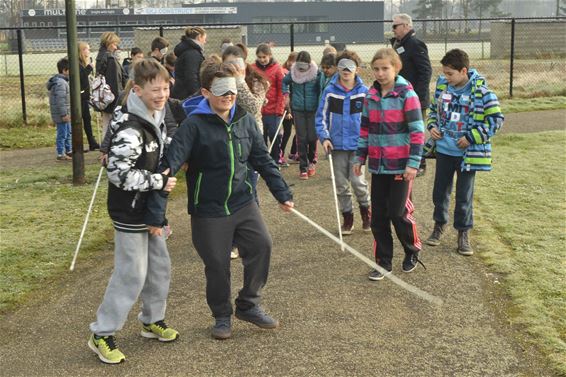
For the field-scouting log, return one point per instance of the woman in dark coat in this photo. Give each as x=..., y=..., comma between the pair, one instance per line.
x=85, y=67
x=107, y=64
x=190, y=56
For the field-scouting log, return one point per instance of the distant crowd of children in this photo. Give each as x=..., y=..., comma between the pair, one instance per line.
x=236, y=127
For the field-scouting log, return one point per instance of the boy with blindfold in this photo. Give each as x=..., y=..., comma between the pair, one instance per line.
x=218, y=140
x=338, y=122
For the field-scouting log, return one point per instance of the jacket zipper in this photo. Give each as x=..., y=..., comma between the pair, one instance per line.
x=231, y=154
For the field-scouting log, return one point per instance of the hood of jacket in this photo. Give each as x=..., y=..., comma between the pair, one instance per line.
x=185, y=45
x=53, y=80
x=136, y=106
x=306, y=76
x=473, y=77
x=204, y=108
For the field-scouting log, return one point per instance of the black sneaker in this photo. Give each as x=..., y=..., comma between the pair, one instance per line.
x=410, y=262
x=376, y=275
x=258, y=317
x=222, y=328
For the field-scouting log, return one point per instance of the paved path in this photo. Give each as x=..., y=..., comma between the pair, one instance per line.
x=334, y=321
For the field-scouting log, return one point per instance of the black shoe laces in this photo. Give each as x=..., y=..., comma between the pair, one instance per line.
x=110, y=342
x=161, y=324
x=419, y=261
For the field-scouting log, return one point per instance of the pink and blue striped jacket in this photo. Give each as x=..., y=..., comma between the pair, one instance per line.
x=392, y=129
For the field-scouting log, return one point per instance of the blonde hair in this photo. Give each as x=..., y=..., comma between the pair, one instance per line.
x=194, y=31
x=391, y=55
x=82, y=57
x=109, y=37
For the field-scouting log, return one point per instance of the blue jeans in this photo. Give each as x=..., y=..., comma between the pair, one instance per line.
x=270, y=123
x=446, y=166
x=63, y=138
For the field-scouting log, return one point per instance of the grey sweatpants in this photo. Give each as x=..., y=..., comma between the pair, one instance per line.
x=213, y=238
x=342, y=162
x=142, y=268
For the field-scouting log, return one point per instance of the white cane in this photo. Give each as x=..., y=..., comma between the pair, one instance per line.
x=277, y=132
x=411, y=288
x=86, y=218
x=336, y=200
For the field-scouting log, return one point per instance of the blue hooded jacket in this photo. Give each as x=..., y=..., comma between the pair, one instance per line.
x=339, y=114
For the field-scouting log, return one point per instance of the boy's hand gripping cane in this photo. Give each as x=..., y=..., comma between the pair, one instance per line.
x=277, y=132
x=335, y=199
x=86, y=218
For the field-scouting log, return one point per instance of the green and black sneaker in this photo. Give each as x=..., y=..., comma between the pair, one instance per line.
x=160, y=331
x=106, y=349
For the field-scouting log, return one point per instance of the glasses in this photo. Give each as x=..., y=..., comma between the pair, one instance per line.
x=394, y=26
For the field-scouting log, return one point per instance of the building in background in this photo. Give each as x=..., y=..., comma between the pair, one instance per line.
x=91, y=22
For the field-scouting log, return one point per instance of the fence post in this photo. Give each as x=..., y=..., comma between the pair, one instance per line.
x=22, y=86
x=161, y=31
x=512, y=58
x=292, y=30
x=446, y=36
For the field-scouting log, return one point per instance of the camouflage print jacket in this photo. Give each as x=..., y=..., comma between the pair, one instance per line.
x=134, y=155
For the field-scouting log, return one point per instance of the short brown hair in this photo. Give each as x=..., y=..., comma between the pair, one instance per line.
x=159, y=43
x=109, y=37
x=147, y=70
x=263, y=49
x=211, y=69
x=456, y=59
x=194, y=31
x=391, y=55
x=348, y=54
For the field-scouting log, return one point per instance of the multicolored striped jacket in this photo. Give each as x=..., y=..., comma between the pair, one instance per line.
x=392, y=129
x=483, y=120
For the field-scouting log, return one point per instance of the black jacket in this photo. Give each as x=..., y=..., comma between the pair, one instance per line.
x=127, y=205
x=218, y=154
x=416, y=65
x=108, y=65
x=85, y=83
x=187, y=68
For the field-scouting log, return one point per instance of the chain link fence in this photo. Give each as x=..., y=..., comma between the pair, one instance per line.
x=518, y=57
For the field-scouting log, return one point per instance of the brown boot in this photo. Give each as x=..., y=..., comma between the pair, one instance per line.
x=366, y=218
x=434, y=238
x=348, y=225
x=464, y=246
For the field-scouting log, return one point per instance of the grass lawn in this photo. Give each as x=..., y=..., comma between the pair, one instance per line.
x=40, y=218
x=521, y=216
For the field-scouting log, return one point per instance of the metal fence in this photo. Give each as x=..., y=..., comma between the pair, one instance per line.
x=518, y=57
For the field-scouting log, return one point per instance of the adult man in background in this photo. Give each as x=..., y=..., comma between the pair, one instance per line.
x=416, y=63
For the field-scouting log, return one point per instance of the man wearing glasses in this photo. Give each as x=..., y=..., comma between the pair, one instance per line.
x=416, y=63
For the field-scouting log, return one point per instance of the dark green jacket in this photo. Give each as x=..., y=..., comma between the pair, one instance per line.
x=218, y=178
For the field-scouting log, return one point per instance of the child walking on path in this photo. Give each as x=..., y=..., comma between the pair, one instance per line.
x=142, y=267
x=338, y=127
x=302, y=84
x=391, y=140
x=60, y=107
x=464, y=115
x=288, y=122
x=218, y=140
x=273, y=110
